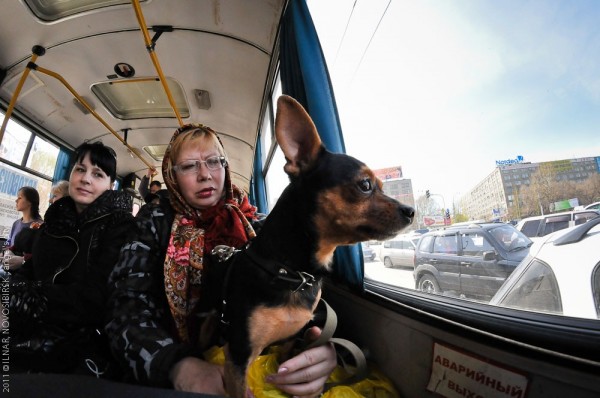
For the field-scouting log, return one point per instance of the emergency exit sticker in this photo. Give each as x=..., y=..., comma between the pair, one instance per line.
x=457, y=374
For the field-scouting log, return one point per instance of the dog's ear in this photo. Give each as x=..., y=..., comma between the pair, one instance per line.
x=297, y=135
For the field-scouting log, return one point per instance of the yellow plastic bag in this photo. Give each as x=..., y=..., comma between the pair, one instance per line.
x=215, y=355
x=375, y=385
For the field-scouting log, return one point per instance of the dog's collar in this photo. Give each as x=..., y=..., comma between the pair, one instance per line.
x=295, y=280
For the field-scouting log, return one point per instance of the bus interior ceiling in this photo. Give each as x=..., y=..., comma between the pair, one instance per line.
x=199, y=48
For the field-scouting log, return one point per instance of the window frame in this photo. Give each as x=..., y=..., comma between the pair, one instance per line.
x=553, y=333
x=45, y=181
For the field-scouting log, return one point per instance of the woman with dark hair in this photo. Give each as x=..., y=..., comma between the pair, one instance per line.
x=28, y=203
x=58, y=297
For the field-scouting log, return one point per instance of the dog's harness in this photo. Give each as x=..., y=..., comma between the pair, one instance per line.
x=294, y=280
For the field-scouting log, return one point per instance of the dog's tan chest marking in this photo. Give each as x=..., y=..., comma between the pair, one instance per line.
x=268, y=325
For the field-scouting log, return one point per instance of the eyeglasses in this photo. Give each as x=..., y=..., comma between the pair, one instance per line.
x=193, y=166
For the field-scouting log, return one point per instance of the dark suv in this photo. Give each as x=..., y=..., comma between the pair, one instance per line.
x=469, y=261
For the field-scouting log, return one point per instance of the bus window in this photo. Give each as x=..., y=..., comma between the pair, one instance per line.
x=27, y=160
x=15, y=142
x=437, y=98
x=42, y=157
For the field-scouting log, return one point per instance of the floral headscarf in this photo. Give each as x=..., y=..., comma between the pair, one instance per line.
x=195, y=233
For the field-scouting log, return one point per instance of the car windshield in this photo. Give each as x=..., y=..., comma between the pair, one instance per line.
x=511, y=238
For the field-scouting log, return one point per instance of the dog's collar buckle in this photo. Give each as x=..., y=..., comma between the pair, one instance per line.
x=306, y=279
x=223, y=253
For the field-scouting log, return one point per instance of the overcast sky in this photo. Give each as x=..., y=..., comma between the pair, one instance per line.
x=444, y=88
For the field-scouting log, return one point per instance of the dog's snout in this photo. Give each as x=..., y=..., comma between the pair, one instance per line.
x=407, y=211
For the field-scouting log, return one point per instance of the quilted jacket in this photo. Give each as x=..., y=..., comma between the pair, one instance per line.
x=64, y=284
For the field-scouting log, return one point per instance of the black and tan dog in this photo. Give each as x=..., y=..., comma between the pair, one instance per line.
x=272, y=287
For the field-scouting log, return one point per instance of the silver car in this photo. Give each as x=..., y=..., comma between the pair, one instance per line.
x=400, y=251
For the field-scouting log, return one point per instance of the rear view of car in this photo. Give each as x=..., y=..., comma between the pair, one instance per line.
x=561, y=275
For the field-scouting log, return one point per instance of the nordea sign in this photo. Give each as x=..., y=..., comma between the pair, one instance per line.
x=518, y=159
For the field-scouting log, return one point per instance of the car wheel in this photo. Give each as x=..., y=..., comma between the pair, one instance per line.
x=387, y=262
x=429, y=284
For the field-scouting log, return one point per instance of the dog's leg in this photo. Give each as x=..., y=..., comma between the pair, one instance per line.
x=235, y=378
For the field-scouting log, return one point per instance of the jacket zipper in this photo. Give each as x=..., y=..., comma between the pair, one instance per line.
x=76, y=245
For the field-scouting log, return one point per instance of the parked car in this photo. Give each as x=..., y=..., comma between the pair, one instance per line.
x=538, y=226
x=368, y=252
x=376, y=245
x=593, y=206
x=399, y=251
x=561, y=275
x=470, y=260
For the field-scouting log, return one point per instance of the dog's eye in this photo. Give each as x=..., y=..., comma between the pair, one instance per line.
x=365, y=185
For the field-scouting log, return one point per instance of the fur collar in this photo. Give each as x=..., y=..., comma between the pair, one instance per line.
x=62, y=215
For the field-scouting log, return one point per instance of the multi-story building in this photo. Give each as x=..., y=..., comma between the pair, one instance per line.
x=494, y=195
x=395, y=185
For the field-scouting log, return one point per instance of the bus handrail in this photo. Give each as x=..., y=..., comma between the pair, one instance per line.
x=150, y=47
x=36, y=52
x=31, y=65
x=88, y=107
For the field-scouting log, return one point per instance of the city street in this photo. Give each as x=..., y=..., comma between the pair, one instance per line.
x=401, y=277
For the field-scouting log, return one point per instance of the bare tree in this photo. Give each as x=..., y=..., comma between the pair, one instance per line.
x=589, y=190
x=426, y=207
x=546, y=188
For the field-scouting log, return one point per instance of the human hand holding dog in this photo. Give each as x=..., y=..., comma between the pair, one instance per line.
x=192, y=374
x=305, y=374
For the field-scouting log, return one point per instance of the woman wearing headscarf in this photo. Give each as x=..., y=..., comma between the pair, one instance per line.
x=157, y=283
x=58, y=297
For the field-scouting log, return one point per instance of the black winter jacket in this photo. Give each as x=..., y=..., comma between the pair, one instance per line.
x=73, y=255
x=141, y=329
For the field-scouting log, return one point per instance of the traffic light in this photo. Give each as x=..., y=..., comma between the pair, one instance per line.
x=447, y=220
x=427, y=194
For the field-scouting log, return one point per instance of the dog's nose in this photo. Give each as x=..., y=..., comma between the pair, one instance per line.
x=407, y=211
